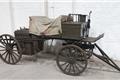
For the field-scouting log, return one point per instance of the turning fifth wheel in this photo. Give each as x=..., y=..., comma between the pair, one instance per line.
x=71, y=60
x=10, y=51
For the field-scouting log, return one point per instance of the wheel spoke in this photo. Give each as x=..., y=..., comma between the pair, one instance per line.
x=13, y=42
x=79, y=65
x=4, y=53
x=6, y=56
x=10, y=40
x=76, y=67
x=15, y=50
x=2, y=50
x=69, y=68
x=63, y=54
x=15, y=46
x=16, y=54
x=62, y=58
x=2, y=46
x=3, y=42
x=9, y=57
x=12, y=58
x=66, y=66
x=70, y=52
x=73, y=68
x=6, y=39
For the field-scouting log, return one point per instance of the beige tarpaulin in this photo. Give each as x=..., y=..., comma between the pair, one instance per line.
x=39, y=25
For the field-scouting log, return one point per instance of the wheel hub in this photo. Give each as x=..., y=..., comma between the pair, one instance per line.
x=72, y=60
x=9, y=48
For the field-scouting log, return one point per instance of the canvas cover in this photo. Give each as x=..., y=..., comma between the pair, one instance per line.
x=40, y=25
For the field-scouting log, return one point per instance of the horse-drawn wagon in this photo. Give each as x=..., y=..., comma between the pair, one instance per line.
x=72, y=57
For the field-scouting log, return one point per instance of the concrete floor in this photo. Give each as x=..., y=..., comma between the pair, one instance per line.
x=47, y=69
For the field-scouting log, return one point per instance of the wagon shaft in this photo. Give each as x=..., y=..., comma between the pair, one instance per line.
x=104, y=57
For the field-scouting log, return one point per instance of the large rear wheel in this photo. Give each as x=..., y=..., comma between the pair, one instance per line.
x=10, y=51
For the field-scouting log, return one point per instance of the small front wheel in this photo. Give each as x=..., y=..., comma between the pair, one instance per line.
x=71, y=60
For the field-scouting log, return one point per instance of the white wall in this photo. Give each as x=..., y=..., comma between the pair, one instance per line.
x=105, y=19
x=5, y=23
x=24, y=9
x=59, y=7
x=15, y=13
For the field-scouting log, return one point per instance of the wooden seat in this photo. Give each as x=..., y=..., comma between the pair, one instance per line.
x=93, y=39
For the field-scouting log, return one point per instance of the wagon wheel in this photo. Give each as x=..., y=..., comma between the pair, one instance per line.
x=10, y=51
x=71, y=60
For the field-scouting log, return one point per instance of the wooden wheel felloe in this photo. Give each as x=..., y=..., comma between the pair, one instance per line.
x=71, y=60
x=10, y=51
